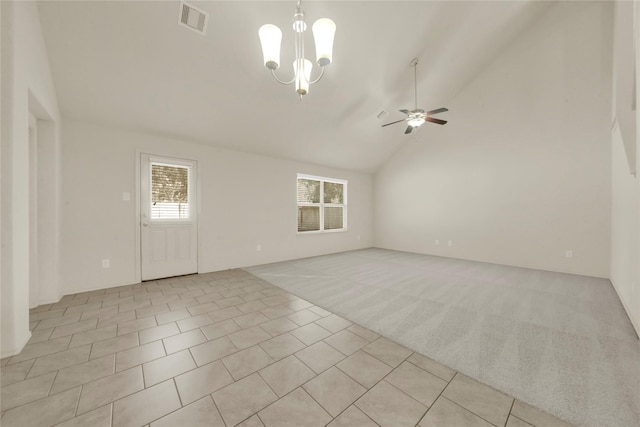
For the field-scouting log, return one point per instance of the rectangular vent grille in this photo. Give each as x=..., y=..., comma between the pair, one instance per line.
x=192, y=17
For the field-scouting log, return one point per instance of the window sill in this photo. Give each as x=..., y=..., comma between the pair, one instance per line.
x=302, y=233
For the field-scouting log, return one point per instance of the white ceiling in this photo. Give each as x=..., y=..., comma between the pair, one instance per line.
x=129, y=64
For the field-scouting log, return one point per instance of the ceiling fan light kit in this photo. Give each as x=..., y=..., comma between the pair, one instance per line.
x=323, y=33
x=417, y=117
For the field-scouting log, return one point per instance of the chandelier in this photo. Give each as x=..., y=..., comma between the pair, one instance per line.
x=271, y=38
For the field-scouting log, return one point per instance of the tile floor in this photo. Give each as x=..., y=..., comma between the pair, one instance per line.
x=226, y=349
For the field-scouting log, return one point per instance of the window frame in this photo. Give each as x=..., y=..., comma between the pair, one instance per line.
x=322, y=205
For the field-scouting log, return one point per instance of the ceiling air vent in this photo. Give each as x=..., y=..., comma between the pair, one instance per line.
x=192, y=17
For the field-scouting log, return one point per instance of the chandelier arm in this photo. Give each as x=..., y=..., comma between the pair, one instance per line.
x=273, y=73
x=319, y=77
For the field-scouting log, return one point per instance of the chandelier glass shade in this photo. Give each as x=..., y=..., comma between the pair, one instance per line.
x=323, y=33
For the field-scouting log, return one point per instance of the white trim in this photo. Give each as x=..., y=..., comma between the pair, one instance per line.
x=136, y=193
x=629, y=313
x=176, y=156
x=321, y=205
x=194, y=179
x=322, y=178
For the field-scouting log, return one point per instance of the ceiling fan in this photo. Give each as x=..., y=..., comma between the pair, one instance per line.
x=417, y=117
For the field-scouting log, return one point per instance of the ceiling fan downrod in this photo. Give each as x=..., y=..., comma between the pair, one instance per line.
x=414, y=64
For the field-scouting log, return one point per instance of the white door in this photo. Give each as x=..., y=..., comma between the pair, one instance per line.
x=168, y=222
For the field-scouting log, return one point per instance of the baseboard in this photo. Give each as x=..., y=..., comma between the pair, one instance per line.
x=96, y=288
x=50, y=300
x=17, y=349
x=634, y=322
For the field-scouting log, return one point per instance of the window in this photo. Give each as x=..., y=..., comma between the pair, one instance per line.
x=322, y=204
x=169, y=191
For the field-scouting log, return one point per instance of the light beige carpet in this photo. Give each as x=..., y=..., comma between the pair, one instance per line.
x=560, y=342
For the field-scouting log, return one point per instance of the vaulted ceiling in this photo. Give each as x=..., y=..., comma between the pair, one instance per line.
x=129, y=64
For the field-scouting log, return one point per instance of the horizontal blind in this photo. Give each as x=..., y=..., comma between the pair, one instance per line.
x=169, y=192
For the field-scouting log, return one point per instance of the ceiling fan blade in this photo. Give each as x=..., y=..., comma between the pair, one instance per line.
x=409, y=129
x=437, y=121
x=393, y=123
x=405, y=111
x=439, y=110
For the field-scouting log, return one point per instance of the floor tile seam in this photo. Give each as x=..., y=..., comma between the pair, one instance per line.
x=45, y=396
x=118, y=351
x=380, y=380
x=41, y=399
x=137, y=347
x=322, y=406
x=507, y=394
x=287, y=394
x=182, y=406
x=273, y=361
x=169, y=378
x=93, y=342
x=320, y=326
x=470, y=411
x=432, y=373
x=193, y=359
x=37, y=357
x=513, y=402
x=73, y=333
x=441, y=391
x=94, y=379
x=393, y=368
x=354, y=405
x=175, y=385
x=58, y=369
x=62, y=313
x=149, y=315
x=51, y=327
x=525, y=421
x=267, y=383
x=75, y=412
x=340, y=351
x=403, y=392
x=144, y=389
x=26, y=377
x=138, y=330
x=309, y=367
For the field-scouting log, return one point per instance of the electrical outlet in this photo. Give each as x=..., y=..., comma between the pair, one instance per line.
x=568, y=253
x=450, y=243
x=437, y=242
x=126, y=196
x=106, y=263
x=258, y=247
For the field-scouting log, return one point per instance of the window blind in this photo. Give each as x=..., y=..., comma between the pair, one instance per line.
x=169, y=192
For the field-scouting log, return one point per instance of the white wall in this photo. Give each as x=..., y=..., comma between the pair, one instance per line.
x=625, y=215
x=26, y=85
x=522, y=172
x=245, y=200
